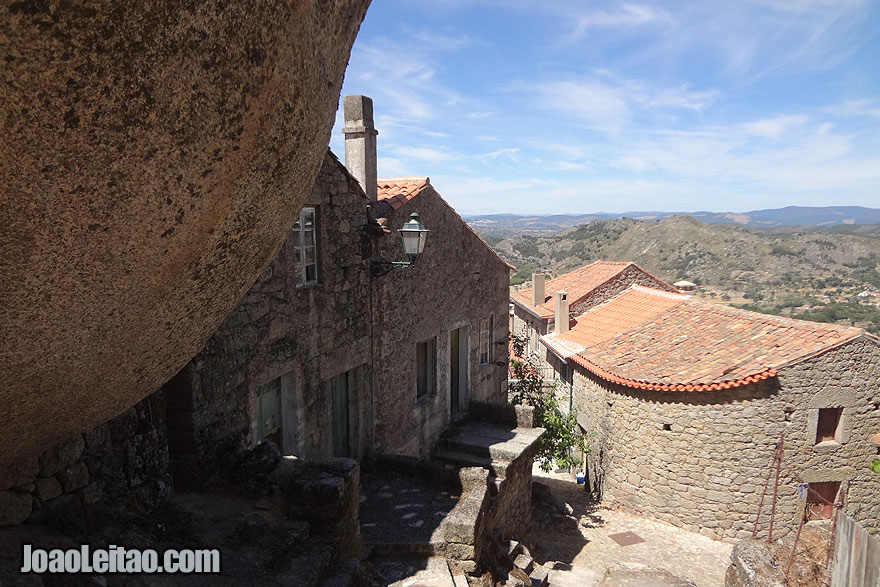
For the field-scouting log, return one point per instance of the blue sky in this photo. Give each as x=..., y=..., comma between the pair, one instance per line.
x=554, y=107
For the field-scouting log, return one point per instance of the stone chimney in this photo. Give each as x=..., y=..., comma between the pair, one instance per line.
x=561, y=318
x=537, y=289
x=360, y=142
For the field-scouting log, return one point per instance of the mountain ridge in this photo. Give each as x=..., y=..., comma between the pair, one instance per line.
x=788, y=216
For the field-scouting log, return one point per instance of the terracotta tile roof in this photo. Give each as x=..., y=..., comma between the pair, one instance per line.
x=577, y=283
x=630, y=309
x=397, y=191
x=650, y=339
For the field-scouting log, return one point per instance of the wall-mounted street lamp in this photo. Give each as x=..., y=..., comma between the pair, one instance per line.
x=413, y=234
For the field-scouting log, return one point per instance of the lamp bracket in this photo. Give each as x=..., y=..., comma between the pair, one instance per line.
x=380, y=267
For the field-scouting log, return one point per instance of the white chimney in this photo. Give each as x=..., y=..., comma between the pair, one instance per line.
x=561, y=312
x=360, y=142
x=537, y=289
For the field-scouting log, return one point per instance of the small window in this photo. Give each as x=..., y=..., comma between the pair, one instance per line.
x=305, y=247
x=426, y=367
x=828, y=425
x=485, y=340
x=821, y=498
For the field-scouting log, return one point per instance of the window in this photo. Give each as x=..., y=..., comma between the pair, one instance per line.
x=305, y=248
x=485, y=340
x=426, y=367
x=828, y=425
x=821, y=498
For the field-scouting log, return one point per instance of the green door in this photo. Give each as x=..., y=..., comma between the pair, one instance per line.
x=269, y=412
x=454, y=368
x=339, y=389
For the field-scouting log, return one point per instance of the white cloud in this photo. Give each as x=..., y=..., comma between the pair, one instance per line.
x=498, y=153
x=623, y=15
x=774, y=128
x=599, y=106
x=855, y=108
x=424, y=153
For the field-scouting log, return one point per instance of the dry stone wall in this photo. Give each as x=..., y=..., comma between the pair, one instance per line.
x=126, y=457
x=700, y=460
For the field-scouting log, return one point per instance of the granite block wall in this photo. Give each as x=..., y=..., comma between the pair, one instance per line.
x=457, y=282
x=701, y=460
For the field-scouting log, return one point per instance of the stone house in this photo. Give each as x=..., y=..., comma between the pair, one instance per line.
x=684, y=403
x=291, y=362
x=328, y=358
x=534, y=307
x=440, y=330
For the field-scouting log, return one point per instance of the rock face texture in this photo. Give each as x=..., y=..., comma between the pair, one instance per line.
x=153, y=156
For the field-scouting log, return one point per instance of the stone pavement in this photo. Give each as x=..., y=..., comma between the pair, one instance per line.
x=583, y=554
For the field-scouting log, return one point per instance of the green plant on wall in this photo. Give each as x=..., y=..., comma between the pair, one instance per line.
x=526, y=386
x=875, y=465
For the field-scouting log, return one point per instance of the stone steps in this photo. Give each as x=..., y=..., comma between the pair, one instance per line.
x=432, y=571
x=497, y=442
x=469, y=459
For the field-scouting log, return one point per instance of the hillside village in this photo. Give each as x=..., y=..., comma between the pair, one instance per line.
x=298, y=438
x=396, y=398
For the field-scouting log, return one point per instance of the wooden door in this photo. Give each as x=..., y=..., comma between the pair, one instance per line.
x=269, y=412
x=339, y=390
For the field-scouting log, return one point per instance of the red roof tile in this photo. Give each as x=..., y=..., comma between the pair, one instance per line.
x=650, y=339
x=578, y=283
x=397, y=191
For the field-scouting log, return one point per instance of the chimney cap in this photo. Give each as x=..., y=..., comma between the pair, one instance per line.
x=358, y=113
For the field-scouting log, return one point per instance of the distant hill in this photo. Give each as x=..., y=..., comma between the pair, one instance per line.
x=827, y=216
x=729, y=257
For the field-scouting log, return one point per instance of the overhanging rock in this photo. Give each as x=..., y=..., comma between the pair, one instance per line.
x=154, y=156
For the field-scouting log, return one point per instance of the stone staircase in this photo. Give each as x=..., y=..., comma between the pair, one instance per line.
x=492, y=446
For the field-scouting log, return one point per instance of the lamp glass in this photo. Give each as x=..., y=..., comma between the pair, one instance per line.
x=413, y=234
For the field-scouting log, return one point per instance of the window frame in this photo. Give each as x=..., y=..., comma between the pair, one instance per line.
x=835, y=413
x=301, y=248
x=486, y=341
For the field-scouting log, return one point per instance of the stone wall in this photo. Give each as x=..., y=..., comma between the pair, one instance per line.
x=457, y=282
x=213, y=402
x=126, y=457
x=700, y=460
x=511, y=507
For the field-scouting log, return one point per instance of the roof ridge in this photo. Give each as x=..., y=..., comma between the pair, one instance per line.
x=656, y=292
x=423, y=178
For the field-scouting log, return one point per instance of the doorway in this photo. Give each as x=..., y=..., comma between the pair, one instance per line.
x=458, y=370
x=269, y=413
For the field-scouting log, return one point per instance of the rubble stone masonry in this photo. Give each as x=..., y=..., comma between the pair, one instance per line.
x=212, y=403
x=700, y=460
x=123, y=458
x=457, y=282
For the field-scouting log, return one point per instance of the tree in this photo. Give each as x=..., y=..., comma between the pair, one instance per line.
x=526, y=386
